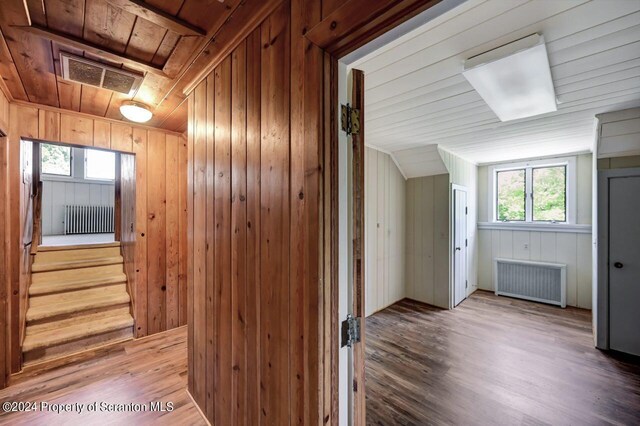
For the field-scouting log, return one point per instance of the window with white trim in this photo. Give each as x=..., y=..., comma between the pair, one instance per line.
x=537, y=191
x=99, y=165
x=55, y=160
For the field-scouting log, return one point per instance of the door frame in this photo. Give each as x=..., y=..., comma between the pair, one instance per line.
x=452, y=243
x=601, y=315
x=338, y=34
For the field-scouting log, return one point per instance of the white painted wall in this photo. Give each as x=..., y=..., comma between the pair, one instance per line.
x=57, y=194
x=384, y=220
x=427, y=239
x=571, y=248
x=619, y=133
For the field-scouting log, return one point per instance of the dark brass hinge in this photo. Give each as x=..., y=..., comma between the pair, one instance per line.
x=350, y=120
x=350, y=331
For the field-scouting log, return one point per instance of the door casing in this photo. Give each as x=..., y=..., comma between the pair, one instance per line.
x=602, y=312
x=459, y=271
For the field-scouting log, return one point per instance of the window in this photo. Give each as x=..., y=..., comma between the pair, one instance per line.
x=56, y=159
x=511, y=195
x=533, y=192
x=99, y=165
x=549, y=191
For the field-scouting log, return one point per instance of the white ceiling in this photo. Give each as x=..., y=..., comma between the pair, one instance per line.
x=416, y=96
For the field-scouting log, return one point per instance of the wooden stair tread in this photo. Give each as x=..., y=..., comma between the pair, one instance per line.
x=76, y=264
x=78, y=246
x=52, y=326
x=73, y=255
x=48, y=306
x=73, y=274
x=51, y=286
x=84, y=327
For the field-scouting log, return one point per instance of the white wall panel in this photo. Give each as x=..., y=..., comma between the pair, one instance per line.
x=619, y=133
x=385, y=217
x=427, y=232
x=56, y=194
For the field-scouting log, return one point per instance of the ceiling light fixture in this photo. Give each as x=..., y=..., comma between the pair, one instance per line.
x=136, y=111
x=514, y=79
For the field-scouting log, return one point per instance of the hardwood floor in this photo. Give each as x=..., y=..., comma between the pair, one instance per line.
x=494, y=360
x=147, y=370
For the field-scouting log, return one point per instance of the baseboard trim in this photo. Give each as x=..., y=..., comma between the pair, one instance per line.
x=197, y=406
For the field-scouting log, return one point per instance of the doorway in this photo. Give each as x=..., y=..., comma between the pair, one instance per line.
x=460, y=243
x=619, y=275
x=78, y=194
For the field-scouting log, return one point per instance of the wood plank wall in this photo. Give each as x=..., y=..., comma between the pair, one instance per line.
x=161, y=217
x=126, y=185
x=256, y=141
x=4, y=152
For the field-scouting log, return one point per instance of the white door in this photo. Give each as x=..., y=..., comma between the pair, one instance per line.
x=624, y=264
x=459, y=245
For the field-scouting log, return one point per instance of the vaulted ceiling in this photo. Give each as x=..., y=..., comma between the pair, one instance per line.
x=171, y=42
x=416, y=97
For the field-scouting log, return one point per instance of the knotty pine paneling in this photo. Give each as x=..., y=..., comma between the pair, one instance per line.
x=255, y=135
x=160, y=192
x=4, y=113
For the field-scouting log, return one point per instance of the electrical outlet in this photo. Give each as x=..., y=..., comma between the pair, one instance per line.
x=526, y=246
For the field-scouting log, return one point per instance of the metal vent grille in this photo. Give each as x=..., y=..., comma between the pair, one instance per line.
x=86, y=71
x=118, y=82
x=537, y=281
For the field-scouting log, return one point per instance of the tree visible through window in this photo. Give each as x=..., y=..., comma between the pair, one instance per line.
x=549, y=194
x=56, y=159
x=532, y=194
x=511, y=191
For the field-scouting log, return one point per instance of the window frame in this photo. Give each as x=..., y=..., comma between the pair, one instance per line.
x=86, y=168
x=71, y=174
x=528, y=165
x=495, y=199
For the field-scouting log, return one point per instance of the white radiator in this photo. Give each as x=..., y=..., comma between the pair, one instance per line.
x=537, y=281
x=88, y=219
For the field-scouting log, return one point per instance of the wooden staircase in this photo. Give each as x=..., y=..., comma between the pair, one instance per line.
x=78, y=300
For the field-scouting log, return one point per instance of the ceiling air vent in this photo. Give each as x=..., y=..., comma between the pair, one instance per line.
x=86, y=71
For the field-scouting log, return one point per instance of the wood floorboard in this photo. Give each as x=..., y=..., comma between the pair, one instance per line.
x=147, y=370
x=494, y=361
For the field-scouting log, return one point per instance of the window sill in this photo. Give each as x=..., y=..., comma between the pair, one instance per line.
x=54, y=178
x=536, y=227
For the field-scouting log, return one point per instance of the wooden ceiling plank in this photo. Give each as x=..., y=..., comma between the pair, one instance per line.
x=95, y=101
x=32, y=56
x=77, y=43
x=235, y=29
x=107, y=26
x=168, y=44
x=189, y=48
x=9, y=72
x=336, y=34
x=145, y=40
x=177, y=120
x=159, y=17
x=171, y=7
x=66, y=16
x=36, y=11
x=206, y=14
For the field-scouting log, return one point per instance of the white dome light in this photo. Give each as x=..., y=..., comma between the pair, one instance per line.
x=135, y=111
